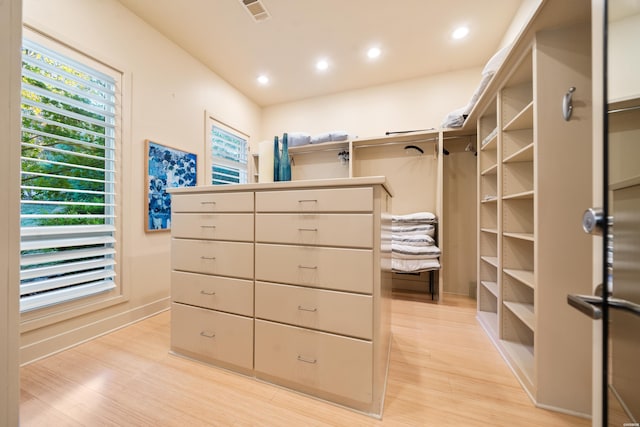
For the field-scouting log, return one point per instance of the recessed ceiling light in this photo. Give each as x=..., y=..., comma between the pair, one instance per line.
x=374, y=52
x=322, y=65
x=460, y=33
x=263, y=80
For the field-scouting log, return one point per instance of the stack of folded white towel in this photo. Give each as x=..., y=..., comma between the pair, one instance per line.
x=300, y=138
x=413, y=246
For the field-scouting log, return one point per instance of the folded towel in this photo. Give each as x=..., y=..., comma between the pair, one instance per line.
x=428, y=229
x=413, y=240
x=496, y=61
x=323, y=137
x=299, y=138
x=416, y=216
x=414, y=265
x=456, y=118
x=414, y=252
x=339, y=136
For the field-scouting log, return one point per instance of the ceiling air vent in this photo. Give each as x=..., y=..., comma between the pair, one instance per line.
x=256, y=9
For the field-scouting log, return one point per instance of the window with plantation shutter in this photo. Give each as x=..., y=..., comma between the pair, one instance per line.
x=68, y=181
x=228, y=155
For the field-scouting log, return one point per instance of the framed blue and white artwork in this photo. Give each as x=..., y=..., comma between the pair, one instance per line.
x=166, y=167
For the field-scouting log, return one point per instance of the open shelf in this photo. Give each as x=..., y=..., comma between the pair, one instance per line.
x=517, y=254
x=523, y=276
x=314, y=148
x=517, y=177
x=491, y=287
x=490, y=260
x=491, y=170
x=518, y=218
x=525, y=154
x=521, y=195
x=430, y=136
x=522, y=236
x=523, y=120
x=524, y=312
x=490, y=141
x=515, y=141
x=489, y=216
x=489, y=230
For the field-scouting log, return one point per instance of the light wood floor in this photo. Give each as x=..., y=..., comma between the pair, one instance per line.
x=443, y=372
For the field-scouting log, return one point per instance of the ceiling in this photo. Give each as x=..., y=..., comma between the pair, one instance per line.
x=414, y=36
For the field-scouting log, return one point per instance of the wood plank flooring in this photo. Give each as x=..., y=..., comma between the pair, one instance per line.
x=444, y=372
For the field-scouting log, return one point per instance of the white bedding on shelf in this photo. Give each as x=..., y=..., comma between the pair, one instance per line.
x=456, y=118
x=414, y=252
x=413, y=247
x=413, y=239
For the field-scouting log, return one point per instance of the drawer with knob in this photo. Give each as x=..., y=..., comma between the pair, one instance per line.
x=321, y=200
x=329, y=363
x=225, y=226
x=331, y=311
x=212, y=202
x=212, y=335
x=214, y=292
x=233, y=259
x=331, y=268
x=345, y=230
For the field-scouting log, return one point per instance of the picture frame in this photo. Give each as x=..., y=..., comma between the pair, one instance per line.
x=165, y=167
x=226, y=153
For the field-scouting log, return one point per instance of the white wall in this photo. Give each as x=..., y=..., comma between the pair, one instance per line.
x=411, y=104
x=166, y=98
x=10, y=40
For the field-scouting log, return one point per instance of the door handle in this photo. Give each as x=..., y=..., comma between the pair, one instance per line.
x=592, y=305
x=587, y=304
x=623, y=304
x=593, y=221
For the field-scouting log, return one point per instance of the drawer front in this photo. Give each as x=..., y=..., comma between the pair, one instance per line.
x=224, y=226
x=330, y=311
x=324, y=200
x=326, y=362
x=349, y=230
x=212, y=335
x=215, y=292
x=213, y=257
x=331, y=268
x=212, y=202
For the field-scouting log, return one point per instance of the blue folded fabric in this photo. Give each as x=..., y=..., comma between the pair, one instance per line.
x=299, y=138
x=339, y=136
x=320, y=138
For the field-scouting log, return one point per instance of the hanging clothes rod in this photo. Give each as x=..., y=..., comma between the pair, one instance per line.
x=382, y=144
x=412, y=141
x=622, y=110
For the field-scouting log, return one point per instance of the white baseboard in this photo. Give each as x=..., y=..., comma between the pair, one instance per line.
x=73, y=337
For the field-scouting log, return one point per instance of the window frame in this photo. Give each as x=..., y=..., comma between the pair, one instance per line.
x=47, y=315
